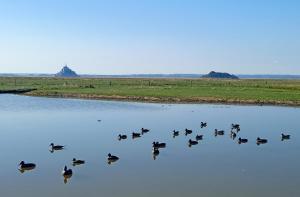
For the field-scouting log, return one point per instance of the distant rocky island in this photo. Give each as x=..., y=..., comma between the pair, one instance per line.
x=219, y=75
x=66, y=72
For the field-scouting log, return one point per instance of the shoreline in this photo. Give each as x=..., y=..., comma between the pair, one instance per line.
x=168, y=100
x=17, y=91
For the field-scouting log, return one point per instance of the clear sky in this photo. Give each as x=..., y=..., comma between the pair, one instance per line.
x=150, y=36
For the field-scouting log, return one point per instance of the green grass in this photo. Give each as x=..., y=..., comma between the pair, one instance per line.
x=163, y=90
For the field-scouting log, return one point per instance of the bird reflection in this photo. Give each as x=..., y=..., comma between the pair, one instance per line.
x=66, y=178
x=155, y=153
x=110, y=162
x=232, y=135
x=22, y=170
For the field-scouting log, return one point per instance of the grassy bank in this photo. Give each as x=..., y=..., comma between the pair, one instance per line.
x=275, y=92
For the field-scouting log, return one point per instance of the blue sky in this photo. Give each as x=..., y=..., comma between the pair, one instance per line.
x=150, y=36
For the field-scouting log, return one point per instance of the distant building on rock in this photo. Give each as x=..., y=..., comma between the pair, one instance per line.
x=66, y=72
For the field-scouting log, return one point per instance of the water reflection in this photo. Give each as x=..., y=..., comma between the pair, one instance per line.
x=232, y=135
x=67, y=177
x=26, y=169
x=76, y=125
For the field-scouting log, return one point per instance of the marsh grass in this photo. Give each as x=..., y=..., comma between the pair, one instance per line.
x=256, y=91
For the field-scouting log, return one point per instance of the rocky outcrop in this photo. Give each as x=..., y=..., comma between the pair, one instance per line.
x=219, y=75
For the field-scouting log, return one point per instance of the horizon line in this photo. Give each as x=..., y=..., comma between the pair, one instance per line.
x=149, y=74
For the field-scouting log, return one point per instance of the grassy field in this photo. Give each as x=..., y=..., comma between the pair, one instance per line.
x=246, y=91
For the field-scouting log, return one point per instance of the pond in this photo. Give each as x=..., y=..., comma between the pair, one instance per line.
x=216, y=166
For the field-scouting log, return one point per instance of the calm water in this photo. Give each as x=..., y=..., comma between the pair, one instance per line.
x=217, y=166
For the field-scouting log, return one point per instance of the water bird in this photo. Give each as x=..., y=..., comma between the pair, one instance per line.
x=77, y=162
x=261, y=141
x=175, y=133
x=158, y=145
x=236, y=127
x=285, y=137
x=199, y=137
x=56, y=147
x=188, y=131
x=122, y=137
x=67, y=172
x=135, y=135
x=144, y=130
x=192, y=142
x=241, y=140
x=219, y=132
x=26, y=166
x=203, y=124
x=112, y=158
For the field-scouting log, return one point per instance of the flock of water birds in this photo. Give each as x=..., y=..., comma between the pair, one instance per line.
x=67, y=172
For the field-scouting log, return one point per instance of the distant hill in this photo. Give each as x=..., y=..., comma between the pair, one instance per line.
x=219, y=75
x=66, y=72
